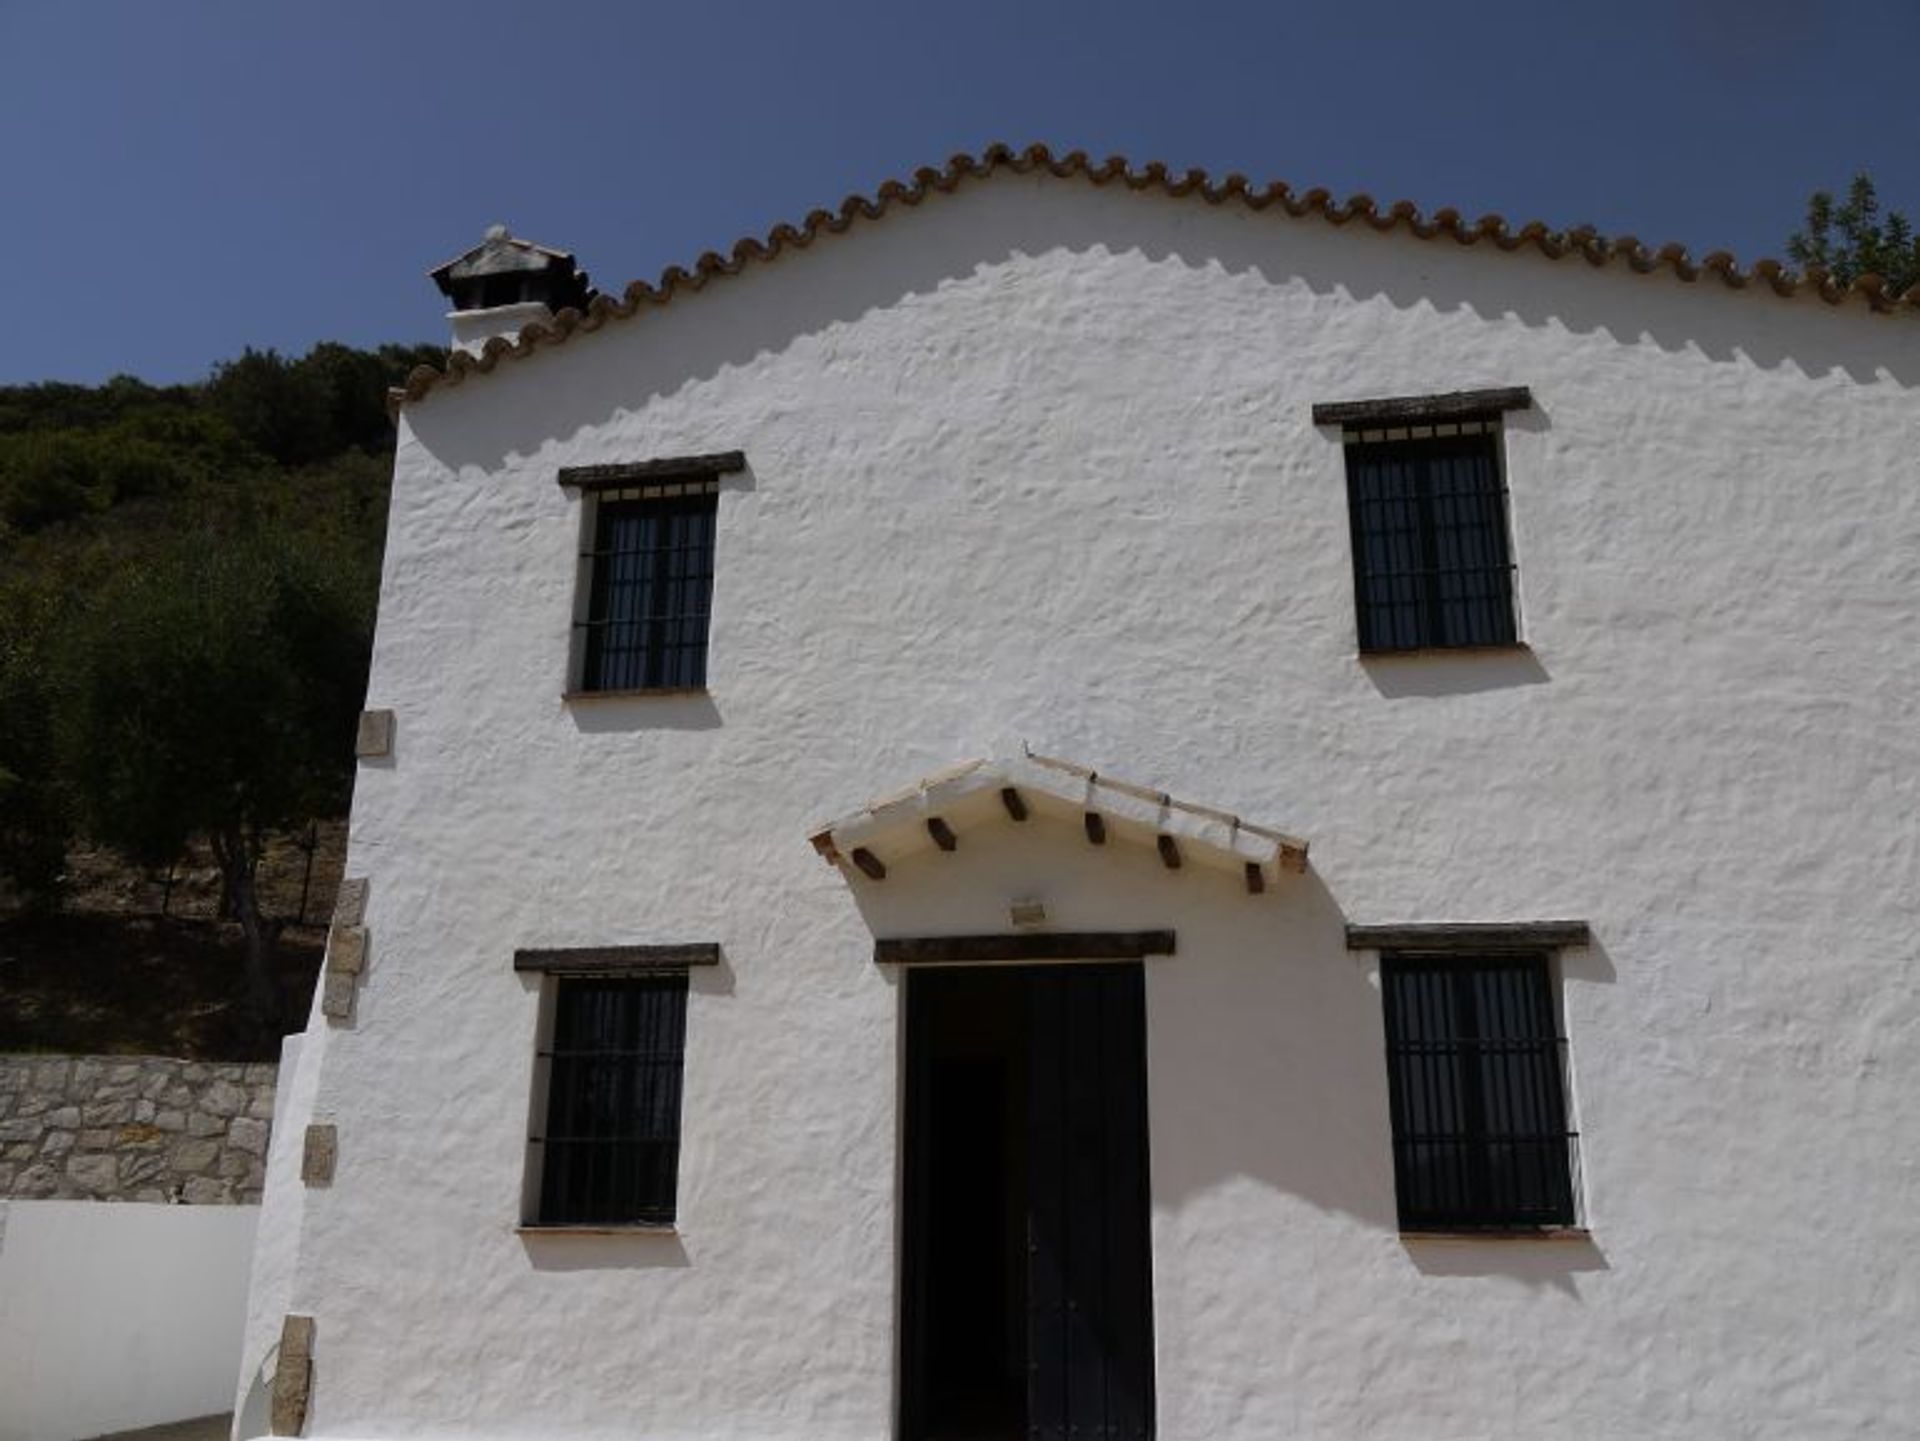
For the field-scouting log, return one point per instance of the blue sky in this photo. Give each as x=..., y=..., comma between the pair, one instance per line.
x=185, y=179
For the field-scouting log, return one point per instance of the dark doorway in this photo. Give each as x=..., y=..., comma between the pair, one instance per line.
x=1026, y=1303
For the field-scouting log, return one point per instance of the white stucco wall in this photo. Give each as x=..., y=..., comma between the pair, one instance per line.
x=116, y=1315
x=276, y=1249
x=1036, y=462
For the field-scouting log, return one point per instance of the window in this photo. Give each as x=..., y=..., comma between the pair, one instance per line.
x=645, y=598
x=1480, y=1134
x=609, y=1154
x=1429, y=514
x=1427, y=503
x=650, y=589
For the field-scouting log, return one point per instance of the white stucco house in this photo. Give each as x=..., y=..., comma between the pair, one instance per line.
x=1083, y=803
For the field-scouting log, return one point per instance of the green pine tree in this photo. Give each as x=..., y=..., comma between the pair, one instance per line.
x=1853, y=238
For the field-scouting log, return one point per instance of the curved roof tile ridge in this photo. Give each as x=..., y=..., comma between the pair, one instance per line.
x=1582, y=241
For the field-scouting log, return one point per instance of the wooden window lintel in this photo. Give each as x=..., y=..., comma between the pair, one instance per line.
x=614, y=960
x=1403, y=409
x=1038, y=946
x=1470, y=939
x=663, y=470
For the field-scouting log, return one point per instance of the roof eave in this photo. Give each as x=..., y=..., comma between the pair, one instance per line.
x=1582, y=243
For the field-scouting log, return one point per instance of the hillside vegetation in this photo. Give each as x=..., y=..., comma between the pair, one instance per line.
x=187, y=584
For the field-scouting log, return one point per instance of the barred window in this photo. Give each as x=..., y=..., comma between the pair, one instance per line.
x=650, y=588
x=1474, y=1054
x=610, y=1151
x=1428, y=507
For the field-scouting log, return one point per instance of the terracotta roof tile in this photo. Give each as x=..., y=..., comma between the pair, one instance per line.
x=1583, y=242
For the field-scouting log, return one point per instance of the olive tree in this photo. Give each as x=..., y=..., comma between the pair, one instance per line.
x=209, y=692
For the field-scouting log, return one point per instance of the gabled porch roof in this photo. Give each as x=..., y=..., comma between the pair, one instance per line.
x=938, y=812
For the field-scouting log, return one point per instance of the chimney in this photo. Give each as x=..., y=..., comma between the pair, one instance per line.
x=504, y=284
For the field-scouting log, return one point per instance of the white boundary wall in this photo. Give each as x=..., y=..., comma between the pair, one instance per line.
x=118, y=1315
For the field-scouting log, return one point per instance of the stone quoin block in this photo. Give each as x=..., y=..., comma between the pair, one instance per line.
x=336, y=996
x=293, y=1376
x=350, y=902
x=347, y=950
x=375, y=735
x=317, y=1156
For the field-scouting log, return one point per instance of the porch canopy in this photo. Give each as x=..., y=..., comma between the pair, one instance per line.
x=938, y=811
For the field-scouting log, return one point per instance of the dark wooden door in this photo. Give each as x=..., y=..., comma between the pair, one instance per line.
x=1026, y=1097
x=1089, y=1280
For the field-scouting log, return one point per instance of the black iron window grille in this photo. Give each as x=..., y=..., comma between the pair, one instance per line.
x=1475, y=1066
x=610, y=1153
x=649, y=588
x=1431, y=562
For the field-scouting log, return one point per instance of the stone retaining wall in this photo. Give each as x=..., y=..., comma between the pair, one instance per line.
x=133, y=1128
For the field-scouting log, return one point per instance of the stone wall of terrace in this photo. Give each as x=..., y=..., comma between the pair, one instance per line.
x=133, y=1128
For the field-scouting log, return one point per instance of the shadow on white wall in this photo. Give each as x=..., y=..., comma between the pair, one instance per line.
x=806, y=295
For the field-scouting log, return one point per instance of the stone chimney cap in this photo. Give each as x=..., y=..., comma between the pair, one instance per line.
x=504, y=284
x=500, y=252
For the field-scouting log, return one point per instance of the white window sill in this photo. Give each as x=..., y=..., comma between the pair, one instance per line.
x=1424, y=652
x=1536, y=1233
x=633, y=693
x=635, y=1228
